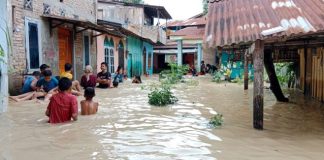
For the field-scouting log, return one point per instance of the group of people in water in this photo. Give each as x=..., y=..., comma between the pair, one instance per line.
x=61, y=91
x=203, y=69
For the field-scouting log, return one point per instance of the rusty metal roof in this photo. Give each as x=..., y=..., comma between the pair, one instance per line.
x=241, y=21
x=190, y=33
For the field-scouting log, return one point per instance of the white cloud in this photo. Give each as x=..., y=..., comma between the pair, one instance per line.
x=179, y=9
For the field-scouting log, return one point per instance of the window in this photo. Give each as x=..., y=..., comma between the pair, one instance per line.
x=109, y=54
x=28, y=5
x=112, y=61
x=86, y=46
x=33, y=47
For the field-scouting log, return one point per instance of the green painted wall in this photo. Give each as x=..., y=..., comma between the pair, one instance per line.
x=135, y=49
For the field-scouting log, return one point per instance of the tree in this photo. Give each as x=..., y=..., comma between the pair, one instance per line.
x=134, y=1
x=205, y=6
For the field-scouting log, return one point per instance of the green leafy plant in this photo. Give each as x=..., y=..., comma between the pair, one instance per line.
x=217, y=77
x=238, y=80
x=9, y=45
x=174, y=75
x=285, y=73
x=216, y=121
x=162, y=96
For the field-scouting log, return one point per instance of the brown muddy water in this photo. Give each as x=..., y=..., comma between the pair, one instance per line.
x=126, y=127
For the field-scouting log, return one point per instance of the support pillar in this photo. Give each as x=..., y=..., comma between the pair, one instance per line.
x=179, y=54
x=246, y=71
x=274, y=83
x=258, y=57
x=199, y=56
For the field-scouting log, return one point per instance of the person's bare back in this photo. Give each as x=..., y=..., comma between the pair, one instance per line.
x=89, y=107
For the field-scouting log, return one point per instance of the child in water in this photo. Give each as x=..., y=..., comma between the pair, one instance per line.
x=88, y=106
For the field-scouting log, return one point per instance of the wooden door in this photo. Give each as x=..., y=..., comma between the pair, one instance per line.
x=65, y=48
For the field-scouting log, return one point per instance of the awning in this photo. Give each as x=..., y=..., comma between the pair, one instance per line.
x=56, y=21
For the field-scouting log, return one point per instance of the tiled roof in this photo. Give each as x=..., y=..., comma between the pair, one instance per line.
x=190, y=33
x=237, y=21
x=190, y=22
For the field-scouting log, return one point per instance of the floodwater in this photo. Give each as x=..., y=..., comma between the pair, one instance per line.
x=126, y=127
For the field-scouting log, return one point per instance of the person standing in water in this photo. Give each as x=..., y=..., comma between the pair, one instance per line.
x=63, y=106
x=88, y=106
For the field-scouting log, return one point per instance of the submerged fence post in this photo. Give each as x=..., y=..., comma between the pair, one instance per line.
x=258, y=57
x=179, y=54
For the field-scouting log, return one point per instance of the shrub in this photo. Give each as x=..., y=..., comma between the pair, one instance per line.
x=161, y=96
x=217, y=77
x=216, y=121
x=174, y=75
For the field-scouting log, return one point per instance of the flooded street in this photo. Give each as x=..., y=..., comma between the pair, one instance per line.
x=127, y=127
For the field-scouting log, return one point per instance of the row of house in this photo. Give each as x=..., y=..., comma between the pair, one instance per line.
x=82, y=32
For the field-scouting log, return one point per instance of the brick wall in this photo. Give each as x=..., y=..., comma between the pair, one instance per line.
x=80, y=9
x=84, y=9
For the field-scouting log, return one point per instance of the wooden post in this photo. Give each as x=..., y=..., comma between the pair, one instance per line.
x=274, y=83
x=179, y=55
x=246, y=71
x=258, y=57
x=308, y=71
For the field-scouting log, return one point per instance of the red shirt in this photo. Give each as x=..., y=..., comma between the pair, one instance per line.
x=61, y=107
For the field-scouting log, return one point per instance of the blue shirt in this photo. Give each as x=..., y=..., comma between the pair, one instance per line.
x=27, y=84
x=47, y=86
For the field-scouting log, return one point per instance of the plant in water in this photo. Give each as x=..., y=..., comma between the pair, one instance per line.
x=216, y=121
x=217, y=77
x=162, y=96
x=174, y=75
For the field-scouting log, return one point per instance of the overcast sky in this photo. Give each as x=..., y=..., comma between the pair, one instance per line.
x=179, y=9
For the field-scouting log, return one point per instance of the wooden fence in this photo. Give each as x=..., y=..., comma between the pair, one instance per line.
x=315, y=72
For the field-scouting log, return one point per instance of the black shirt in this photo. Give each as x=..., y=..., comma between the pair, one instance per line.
x=104, y=76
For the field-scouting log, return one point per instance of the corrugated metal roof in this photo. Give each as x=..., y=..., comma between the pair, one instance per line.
x=190, y=33
x=238, y=21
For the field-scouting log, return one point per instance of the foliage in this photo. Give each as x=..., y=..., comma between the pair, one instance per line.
x=285, y=72
x=216, y=121
x=217, y=77
x=205, y=6
x=134, y=1
x=174, y=75
x=9, y=45
x=162, y=96
x=238, y=80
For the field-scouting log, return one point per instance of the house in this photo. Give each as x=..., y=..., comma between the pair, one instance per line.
x=271, y=31
x=185, y=40
x=4, y=52
x=53, y=32
x=134, y=52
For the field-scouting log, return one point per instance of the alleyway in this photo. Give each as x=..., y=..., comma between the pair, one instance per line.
x=126, y=127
